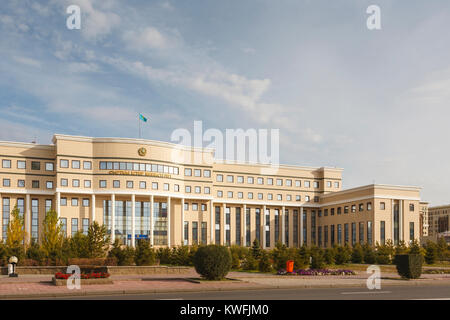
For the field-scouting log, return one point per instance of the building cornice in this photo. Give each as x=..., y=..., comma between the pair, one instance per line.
x=374, y=187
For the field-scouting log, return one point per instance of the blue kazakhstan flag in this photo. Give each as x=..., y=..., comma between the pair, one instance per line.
x=142, y=117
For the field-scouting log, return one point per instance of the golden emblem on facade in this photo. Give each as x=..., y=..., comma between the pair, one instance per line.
x=142, y=151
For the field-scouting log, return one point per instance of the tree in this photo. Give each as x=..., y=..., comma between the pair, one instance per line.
x=318, y=260
x=342, y=255
x=431, y=253
x=329, y=255
x=145, y=255
x=79, y=246
x=98, y=240
x=264, y=262
x=15, y=233
x=382, y=254
x=53, y=237
x=357, y=254
x=256, y=249
x=441, y=248
x=369, y=254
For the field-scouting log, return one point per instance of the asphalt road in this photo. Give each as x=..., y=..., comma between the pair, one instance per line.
x=441, y=292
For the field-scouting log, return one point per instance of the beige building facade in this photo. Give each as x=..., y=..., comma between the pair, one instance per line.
x=438, y=220
x=175, y=195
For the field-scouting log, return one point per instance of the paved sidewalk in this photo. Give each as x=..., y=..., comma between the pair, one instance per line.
x=29, y=286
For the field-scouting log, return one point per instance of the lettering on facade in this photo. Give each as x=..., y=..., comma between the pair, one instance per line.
x=139, y=173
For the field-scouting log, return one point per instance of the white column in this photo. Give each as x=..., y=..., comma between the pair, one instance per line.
x=133, y=220
x=301, y=226
x=392, y=220
x=224, y=222
x=58, y=204
x=244, y=227
x=113, y=217
x=182, y=222
x=151, y=220
x=283, y=225
x=168, y=222
x=92, y=208
x=28, y=218
x=400, y=220
x=263, y=219
x=211, y=222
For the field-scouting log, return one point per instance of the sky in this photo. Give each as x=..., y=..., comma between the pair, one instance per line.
x=373, y=102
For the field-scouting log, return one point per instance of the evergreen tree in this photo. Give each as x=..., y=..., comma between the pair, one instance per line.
x=441, y=248
x=98, y=240
x=369, y=254
x=318, y=259
x=256, y=249
x=264, y=262
x=431, y=253
x=342, y=255
x=382, y=254
x=357, y=254
x=145, y=255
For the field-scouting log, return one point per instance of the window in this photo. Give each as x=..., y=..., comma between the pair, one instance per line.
x=35, y=184
x=369, y=206
x=64, y=226
x=195, y=207
x=6, y=163
x=298, y=198
x=197, y=173
x=188, y=172
x=411, y=207
x=353, y=208
x=325, y=212
x=207, y=190
x=332, y=211
x=65, y=163
x=176, y=188
x=230, y=194
x=289, y=197
x=194, y=232
x=142, y=185
x=270, y=181
x=188, y=189
x=382, y=232
x=298, y=183
x=307, y=184
x=230, y=179
x=49, y=184
x=21, y=164
x=346, y=209
x=307, y=198
x=75, y=164
x=116, y=184
x=369, y=232
x=219, y=178
x=361, y=207
x=74, y=202
x=198, y=189
x=204, y=232
x=250, y=195
x=279, y=197
x=328, y=184
x=85, y=226
x=21, y=183
x=240, y=195
x=35, y=165
x=75, y=183
x=269, y=196
x=207, y=173
x=336, y=184
x=34, y=219
x=250, y=180
x=240, y=179
x=339, y=210
x=203, y=207
x=85, y=202
x=279, y=182
x=6, y=182
x=411, y=231
x=288, y=183
x=63, y=202
x=260, y=180
x=382, y=206
x=219, y=194
x=155, y=185
x=74, y=226
x=260, y=196
x=102, y=183
x=87, y=165
x=316, y=184
x=166, y=187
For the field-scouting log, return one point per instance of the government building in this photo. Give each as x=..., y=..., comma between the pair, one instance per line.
x=143, y=189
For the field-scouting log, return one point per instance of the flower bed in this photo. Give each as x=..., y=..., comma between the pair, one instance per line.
x=92, y=275
x=317, y=272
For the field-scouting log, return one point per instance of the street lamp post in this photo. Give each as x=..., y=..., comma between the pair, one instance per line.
x=13, y=261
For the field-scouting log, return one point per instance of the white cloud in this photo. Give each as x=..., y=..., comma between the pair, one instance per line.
x=28, y=61
x=148, y=38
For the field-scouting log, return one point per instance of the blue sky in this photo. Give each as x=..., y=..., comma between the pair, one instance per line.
x=372, y=102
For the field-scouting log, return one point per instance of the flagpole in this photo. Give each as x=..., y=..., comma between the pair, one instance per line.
x=139, y=119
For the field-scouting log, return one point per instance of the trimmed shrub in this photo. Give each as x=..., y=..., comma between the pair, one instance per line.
x=369, y=254
x=179, y=256
x=212, y=262
x=342, y=255
x=382, y=254
x=164, y=255
x=409, y=266
x=264, y=263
